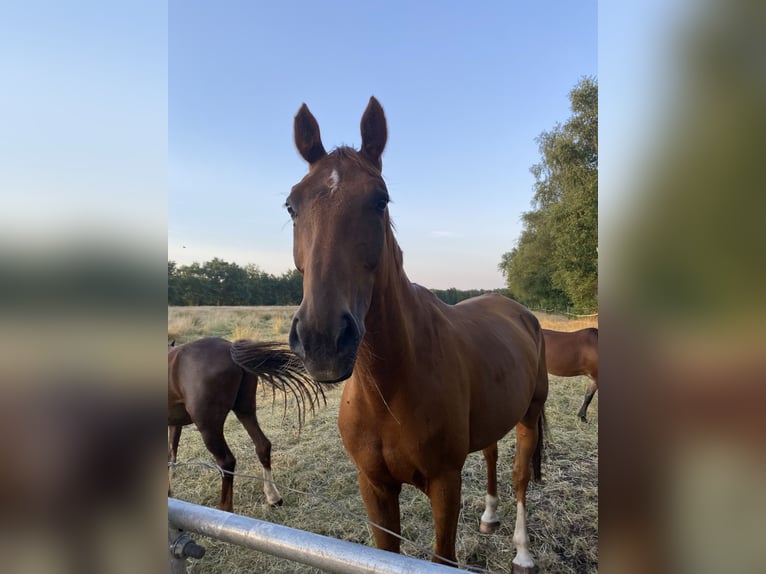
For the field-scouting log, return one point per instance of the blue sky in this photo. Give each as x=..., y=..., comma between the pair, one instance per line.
x=466, y=88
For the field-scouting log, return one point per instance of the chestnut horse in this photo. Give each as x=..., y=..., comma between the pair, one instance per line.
x=570, y=354
x=429, y=382
x=204, y=384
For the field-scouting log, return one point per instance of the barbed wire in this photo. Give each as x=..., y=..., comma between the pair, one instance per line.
x=280, y=486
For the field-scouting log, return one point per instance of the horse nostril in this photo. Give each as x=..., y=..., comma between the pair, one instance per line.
x=349, y=336
x=295, y=340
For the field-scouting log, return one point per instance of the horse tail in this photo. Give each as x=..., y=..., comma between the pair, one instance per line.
x=542, y=426
x=275, y=364
x=537, y=456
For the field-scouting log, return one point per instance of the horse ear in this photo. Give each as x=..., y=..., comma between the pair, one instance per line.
x=307, y=138
x=374, y=132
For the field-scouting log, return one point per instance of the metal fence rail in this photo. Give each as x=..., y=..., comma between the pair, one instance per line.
x=329, y=554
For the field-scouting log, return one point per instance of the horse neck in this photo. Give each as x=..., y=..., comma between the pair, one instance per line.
x=389, y=326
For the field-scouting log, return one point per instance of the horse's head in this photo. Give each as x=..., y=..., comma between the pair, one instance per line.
x=340, y=217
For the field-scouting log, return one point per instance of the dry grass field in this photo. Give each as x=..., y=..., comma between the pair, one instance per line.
x=318, y=481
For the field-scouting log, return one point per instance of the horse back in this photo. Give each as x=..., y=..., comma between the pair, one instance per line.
x=497, y=323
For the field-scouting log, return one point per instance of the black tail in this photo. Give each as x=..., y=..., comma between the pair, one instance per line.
x=537, y=457
x=542, y=425
x=278, y=366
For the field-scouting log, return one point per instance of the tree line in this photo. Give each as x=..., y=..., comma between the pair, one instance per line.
x=218, y=282
x=555, y=261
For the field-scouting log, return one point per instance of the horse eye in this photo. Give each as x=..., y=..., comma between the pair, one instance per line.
x=381, y=204
x=290, y=210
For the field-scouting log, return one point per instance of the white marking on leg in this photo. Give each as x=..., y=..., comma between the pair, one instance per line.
x=490, y=511
x=270, y=489
x=333, y=181
x=521, y=540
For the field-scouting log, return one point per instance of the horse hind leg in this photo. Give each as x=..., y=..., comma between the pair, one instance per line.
x=592, y=388
x=174, y=437
x=216, y=444
x=489, y=520
x=263, y=450
x=527, y=436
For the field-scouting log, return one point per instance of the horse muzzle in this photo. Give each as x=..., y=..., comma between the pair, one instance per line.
x=329, y=347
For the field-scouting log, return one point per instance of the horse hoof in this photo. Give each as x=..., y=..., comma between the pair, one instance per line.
x=524, y=569
x=279, y=502
x=488, y=527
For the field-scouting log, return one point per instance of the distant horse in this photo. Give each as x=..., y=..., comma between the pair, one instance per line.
x=570, y=354
x=429, y=382
x=204, y=384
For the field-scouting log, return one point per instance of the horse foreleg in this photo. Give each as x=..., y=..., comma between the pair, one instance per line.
x=216, y=444
x=263, y=450
x=592, y=388
x=444, y=494
x=489, y=520
x=381, y=500
x=526, y=443
x=174, y=437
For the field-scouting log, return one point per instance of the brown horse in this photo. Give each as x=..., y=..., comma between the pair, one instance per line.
x=571, y=354
x=204, y=384
x=429, y=382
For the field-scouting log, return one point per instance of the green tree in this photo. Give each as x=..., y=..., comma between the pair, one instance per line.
x=227, y=282
x=529, y=268
x=555, y=262
x=173, y=292
x=260, y=288
x=192, y=285
x=290, y=291
x=218, y=282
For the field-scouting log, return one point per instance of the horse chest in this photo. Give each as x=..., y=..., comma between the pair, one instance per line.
x=390, y=448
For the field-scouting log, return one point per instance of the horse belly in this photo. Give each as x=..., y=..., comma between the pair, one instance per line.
x=500, y=397
x=563, y=364
x=491, y=422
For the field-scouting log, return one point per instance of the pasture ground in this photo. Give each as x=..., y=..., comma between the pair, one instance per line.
x=318, y=481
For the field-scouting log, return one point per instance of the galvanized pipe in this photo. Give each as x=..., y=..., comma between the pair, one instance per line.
x=329, y=554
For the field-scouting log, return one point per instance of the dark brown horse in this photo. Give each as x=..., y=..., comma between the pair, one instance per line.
x=429, y=382
x=204, y=384
x=571, y=354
